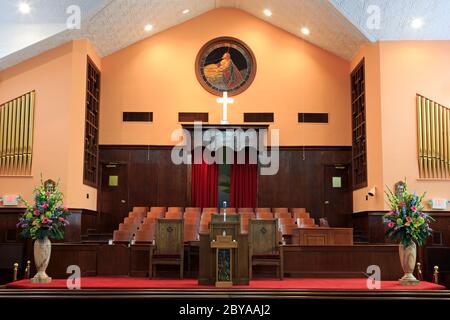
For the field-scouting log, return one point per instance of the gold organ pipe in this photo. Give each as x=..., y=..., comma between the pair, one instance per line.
x=30, y=99
x=433, y=139
x=16, y=135
x=2, y=119
x=447, y=158
x=419, y=134
x=428, y=117
x=424, y=138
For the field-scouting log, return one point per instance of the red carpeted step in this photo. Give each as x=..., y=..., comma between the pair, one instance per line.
x=290, y=283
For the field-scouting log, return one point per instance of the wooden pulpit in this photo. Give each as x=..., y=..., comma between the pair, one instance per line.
x=219, y=226
x=224, y=246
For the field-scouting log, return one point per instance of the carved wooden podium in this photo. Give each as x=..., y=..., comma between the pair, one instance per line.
x=224, y=246
x=239, y=255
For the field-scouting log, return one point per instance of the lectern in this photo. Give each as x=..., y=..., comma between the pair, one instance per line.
x=224, y=260
x=219, y=226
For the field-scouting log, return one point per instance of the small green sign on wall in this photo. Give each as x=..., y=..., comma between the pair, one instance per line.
x=337, y=182
x=113, y=181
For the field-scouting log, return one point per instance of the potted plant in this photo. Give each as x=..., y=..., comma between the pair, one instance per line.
x=45, y=219
x=406, y=222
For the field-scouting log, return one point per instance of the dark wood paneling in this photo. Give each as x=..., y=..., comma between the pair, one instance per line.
x=193, y=116
x=152, y=180
x=9, y=216
x=113, y=260
x=341, y=261
x=313, y=117
x=137, y=116
x=64, y=255
x=258, y=117
x=304, y=261
x=80, y=221
x=370, y=225
x=300, y=180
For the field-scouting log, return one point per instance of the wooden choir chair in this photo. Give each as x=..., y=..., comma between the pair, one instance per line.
x=174, y=215
x=280, y=210
x=169, y=245
x=263, y=245
x=122, y=236
x=263, y=215
x=229, y=210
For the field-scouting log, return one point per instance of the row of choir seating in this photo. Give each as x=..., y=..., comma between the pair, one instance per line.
x=139, y=226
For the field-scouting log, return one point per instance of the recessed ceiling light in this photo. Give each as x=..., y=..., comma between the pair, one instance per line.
x=24, y=8
x=305, y=31
x=148, y=27
x=186, y=11
x=416, y=23
x=267, y=12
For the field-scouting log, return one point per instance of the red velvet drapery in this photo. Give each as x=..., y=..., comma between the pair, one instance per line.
x=204, y=185
x=243, y=185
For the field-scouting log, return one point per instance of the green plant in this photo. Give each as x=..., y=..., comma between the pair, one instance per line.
x=47, y=217
x=406, y=220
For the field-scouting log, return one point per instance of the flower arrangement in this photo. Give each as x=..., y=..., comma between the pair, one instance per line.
x=406, y=220
x=47, y=217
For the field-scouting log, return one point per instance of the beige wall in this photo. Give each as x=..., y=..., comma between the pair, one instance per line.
x=157, y=74
x=58, y=77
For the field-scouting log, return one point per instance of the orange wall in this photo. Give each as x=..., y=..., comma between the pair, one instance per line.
x=395, y=72
x=157, y=74
x=58, y=77
x=371, y=55
x=407, y=68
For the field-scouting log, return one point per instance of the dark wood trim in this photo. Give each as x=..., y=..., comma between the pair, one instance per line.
x=92, y=183
x=259, y=117
x=225, y=294
x=314, y=148
x=165, y=147
x=309, y=117
x=134, y=147
x=191, y=126
x=12, y=210
x=193, y=116
x=133, y=116
x=359, y=130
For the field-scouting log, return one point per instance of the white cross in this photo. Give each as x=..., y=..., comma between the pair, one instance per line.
x=225, y=101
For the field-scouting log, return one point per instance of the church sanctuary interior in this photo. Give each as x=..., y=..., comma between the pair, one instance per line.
x=246, y=150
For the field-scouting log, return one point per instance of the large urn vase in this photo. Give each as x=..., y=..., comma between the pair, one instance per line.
x=408, y=262
x=42, y=251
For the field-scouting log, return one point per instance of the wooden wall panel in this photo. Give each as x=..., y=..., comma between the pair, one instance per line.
x=153, y=179
x=300, y=179
x=341, y=261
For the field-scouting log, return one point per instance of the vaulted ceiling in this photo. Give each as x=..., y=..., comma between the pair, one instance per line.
x=339, y=26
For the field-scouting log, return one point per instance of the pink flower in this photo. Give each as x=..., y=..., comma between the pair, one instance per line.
x=48, y=194
x=65, y=209
x=408, y=219
x=45, y=205
x=61, y=219
x=401, y=204
x=36, y=212
x=45, y=220
x=391, y=224
x=413, y=208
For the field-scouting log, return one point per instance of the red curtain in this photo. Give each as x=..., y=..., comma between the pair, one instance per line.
x=243, y=185
x=204, y=185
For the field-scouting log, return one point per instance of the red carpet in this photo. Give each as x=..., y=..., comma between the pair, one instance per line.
x=289, y=283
